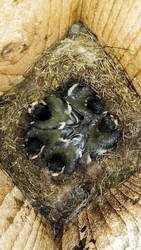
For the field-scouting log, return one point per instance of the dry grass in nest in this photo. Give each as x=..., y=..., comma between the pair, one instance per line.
x=81, y=59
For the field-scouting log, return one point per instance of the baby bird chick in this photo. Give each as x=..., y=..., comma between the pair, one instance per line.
x=52, y=113
x=34, y=147
x=57, y=164
x=85, y=101
x=39, y=111
x=36, y=140
x=103, y=135
x=64, y=156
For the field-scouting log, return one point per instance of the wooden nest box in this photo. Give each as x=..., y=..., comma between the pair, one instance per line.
x=28, y=28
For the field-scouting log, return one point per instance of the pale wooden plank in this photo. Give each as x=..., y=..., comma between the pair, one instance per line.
x=98, y=10
x=85, y=11
x=65, y=17
x=75, y=12
x=106, y=10
x=118, y=25
x=5, y=186
x=92, y=12
x=71, y=236
x=111, y=19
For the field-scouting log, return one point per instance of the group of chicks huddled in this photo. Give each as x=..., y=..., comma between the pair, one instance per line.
x=70, y=129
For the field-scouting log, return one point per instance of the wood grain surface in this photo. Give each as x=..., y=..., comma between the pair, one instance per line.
x=27, y=28
x=117, y=24
x=20, y=226
x=112, y=222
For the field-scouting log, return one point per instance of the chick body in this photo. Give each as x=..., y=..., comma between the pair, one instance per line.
x=85, y=101
x=37, y=139
x=39, y=111
x=52, y=113
x=47, y=137
x=64, y=156
x=34, y=148
x=103, y=135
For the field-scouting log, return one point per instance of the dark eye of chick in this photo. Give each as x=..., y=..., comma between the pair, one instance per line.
x=34, y=145
x=56, y=162
x=106, y=124
x=95, y=105
x=43, y=113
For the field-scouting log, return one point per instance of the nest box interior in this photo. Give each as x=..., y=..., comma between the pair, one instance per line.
x=88, y=53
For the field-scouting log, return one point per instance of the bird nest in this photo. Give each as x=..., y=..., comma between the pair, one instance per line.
x=77, y=58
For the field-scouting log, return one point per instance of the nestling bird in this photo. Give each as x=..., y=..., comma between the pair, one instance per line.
x=34, y=147
x=57, y=164
x=39, y=111
x=85, y=101
x=64, y=156
x=52, y=113
x=107, y=123
x=37, y=139
x=103, y=135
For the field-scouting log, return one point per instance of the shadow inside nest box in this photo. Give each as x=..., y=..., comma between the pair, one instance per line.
x=59, y=199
